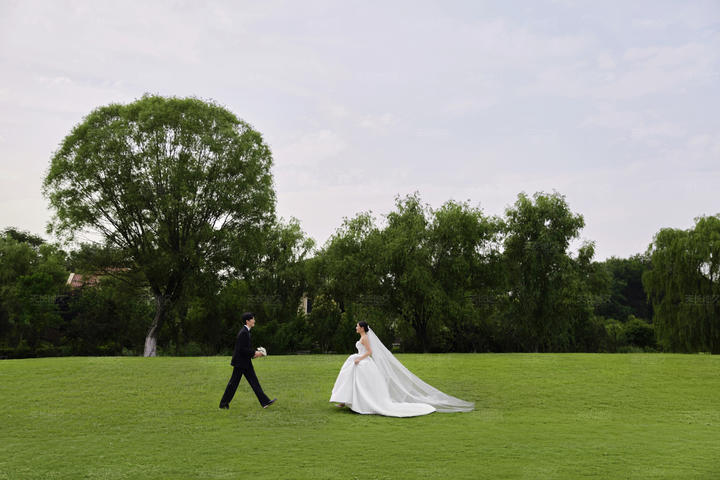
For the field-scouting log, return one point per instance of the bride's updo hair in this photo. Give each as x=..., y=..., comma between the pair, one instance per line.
x=364, y=325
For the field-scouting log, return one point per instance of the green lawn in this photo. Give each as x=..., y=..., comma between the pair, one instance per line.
x=537, y=416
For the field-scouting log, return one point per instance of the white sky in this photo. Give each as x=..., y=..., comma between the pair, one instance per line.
x=613, y=104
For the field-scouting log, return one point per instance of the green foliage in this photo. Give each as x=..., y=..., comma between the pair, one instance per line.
x=181, y=187
x=477, y=283
x=683, y=284
x=289, y=335
x=408, y=276
x=350, y=264
x=614, y=335
x=272, y=289
x=422, y=272
x=639, y=333
x=280, y=280
x=547, y=287
x=624, y=294
x=32, y=275
x=324, y=320
x=465, y=261
x=432, y=280
x=634, y=335
x=107, y=318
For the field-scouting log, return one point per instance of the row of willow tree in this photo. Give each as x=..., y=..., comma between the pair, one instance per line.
x=450, y=279
x=179, y=199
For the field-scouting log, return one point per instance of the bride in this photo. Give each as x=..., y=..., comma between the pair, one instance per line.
x=374, y=381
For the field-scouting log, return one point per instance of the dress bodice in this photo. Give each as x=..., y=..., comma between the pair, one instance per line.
x=360, y=347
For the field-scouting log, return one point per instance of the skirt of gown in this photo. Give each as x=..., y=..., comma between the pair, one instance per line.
x=363, y=388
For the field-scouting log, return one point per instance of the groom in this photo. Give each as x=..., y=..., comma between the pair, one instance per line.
x=242, y=361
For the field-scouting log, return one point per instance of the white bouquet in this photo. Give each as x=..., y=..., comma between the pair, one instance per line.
x=262, y=350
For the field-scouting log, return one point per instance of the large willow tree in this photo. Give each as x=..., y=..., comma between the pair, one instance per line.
x=547, y=287
x=175, y=185
x=684, y=286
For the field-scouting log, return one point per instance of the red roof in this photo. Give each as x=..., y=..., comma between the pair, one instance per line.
x=77, y=280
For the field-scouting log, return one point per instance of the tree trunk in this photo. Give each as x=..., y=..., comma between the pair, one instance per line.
x=420, y=325
x=151, y=339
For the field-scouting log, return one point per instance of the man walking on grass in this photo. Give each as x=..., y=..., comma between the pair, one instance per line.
x=242, y=363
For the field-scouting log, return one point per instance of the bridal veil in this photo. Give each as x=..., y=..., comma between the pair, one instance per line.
x=406, y=387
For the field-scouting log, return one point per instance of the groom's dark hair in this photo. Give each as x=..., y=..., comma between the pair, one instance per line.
x=247, y=316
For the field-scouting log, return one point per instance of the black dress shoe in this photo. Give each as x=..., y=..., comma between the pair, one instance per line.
x=226, y=406
x=270, y=403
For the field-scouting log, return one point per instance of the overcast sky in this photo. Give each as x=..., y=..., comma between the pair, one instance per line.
x=613, y=104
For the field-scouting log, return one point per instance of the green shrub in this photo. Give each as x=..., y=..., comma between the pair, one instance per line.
x=639, y=333
x=192, y=349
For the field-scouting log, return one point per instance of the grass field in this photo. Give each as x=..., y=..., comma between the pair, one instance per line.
x=537, y=416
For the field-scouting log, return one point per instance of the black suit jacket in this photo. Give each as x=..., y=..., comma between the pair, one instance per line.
x=244, y=352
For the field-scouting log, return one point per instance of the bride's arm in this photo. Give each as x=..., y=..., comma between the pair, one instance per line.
x=365, y=342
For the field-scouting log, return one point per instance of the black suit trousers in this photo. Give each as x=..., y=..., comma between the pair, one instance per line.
x=249, y=372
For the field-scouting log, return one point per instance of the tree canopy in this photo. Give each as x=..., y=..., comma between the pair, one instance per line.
x=683, y=284
x=545, y=291
x=180, y=187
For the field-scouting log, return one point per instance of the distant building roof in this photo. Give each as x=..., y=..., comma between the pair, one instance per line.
x=77, y=280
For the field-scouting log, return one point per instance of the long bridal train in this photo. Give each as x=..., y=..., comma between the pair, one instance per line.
x=380, y=384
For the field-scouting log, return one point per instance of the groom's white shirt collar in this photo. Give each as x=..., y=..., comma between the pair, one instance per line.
x=247, y=328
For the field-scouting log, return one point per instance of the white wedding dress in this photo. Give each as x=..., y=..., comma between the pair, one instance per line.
x=381, y=385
